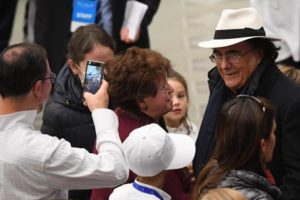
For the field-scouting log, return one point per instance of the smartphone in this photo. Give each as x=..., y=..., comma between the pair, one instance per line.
x=93, y=76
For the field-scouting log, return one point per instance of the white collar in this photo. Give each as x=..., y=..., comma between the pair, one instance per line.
x=22, y=117
x=162, y=193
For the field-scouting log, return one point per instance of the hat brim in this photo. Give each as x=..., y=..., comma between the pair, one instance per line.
x=184, y=151
x=218, y=43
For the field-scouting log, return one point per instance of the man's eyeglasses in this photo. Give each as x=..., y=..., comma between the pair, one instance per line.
x=233, y=57
x=52, y=77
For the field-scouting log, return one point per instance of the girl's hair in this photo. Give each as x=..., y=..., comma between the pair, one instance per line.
x=84, y=40
x=242, y=123
x=222, y=194
x=174, y=75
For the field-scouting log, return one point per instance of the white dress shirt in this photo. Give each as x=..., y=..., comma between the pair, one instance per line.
x=128, y=192
x=38, y=166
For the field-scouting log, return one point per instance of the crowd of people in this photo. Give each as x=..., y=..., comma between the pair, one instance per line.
x=133, y=138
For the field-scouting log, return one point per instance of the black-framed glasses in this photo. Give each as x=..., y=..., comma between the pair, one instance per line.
x=233, y=57
x=52, y=77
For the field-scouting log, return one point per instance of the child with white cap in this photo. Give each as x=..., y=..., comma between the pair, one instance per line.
x=150, y=152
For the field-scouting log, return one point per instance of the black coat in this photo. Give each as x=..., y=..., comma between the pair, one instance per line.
x=251, y=185
x=66, y=117
x=118, y=10
x=285, y=96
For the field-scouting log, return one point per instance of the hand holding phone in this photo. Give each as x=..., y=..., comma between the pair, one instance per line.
x=98, y=100
x=93, y=76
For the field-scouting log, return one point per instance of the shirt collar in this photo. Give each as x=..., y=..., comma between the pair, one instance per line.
x=22, y=117
x=162, y=193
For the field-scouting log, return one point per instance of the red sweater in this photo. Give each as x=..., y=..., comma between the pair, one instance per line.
x=174, y=180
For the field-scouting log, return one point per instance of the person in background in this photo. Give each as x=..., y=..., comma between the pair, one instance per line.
x=49, y=24
x=39, y=166
x=65, y=116
x=244, y=143
x=150, y=152
x=222, y=194
x=140, y=92
x=177, y=120
x=291, y=72
x=7, y=15
x=282, y=20
x=245, y=64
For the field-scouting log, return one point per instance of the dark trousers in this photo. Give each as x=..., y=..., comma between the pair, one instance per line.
x=7, y=14
x=52, y=29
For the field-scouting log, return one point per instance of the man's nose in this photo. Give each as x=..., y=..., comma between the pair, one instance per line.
x=225, y=63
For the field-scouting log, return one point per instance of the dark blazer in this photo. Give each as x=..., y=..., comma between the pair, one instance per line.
x=285, y=96
x=118, y=10
x=7, y=14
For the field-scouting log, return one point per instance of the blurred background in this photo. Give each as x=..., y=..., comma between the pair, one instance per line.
x=175, y=31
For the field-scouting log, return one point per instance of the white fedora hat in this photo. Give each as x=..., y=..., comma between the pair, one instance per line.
x=150, y=150
x=236, y=26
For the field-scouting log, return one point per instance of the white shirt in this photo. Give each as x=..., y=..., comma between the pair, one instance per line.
x=182, y=130
x=38, y=166
x=281, y=19
x=128, y=192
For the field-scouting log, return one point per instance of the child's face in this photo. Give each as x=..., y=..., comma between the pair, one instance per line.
x=180, y=104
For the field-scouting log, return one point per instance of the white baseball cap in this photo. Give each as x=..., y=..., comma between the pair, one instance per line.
x=150, y=150
x=236, y=26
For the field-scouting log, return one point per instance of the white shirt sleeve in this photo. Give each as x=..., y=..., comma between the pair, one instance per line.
x=74, y=168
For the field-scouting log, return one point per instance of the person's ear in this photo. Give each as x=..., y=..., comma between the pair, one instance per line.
x=142, y=105
x=73, y=66
x=37, y=90
x=260, y=55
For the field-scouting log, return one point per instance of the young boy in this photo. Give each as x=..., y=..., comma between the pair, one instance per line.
x=151, y=151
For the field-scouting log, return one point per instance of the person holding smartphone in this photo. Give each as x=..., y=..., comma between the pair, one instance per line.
x=39, y=166
x=65, y=115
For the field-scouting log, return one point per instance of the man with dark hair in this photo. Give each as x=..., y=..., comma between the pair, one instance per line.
x=245, y=64
x=38, y=166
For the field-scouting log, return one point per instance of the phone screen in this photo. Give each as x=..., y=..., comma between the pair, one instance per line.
x=93, y=76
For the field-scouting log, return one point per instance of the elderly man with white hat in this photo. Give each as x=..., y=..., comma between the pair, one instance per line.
x=245, y=64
